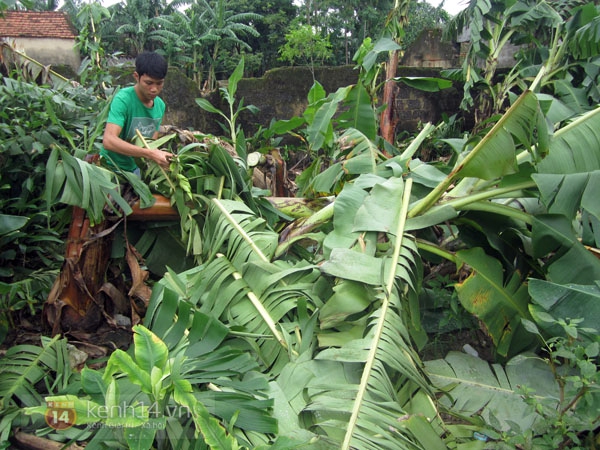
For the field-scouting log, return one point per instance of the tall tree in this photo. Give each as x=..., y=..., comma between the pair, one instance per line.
x=346, y=23
x=356, y=20
x=174, y=41
x=422, y=16
x=275, y=21
x=226, y=30
x=140, y=24
x=306, y=45
x=43, y=5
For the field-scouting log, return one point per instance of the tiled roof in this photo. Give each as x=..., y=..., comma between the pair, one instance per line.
x=38, y=24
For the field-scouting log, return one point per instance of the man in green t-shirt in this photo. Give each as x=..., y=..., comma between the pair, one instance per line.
x=137, y=108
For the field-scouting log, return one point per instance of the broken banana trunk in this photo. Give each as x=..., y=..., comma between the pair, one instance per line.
x=81, y=299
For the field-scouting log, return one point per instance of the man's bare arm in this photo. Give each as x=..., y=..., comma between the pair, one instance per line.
x=111, y=141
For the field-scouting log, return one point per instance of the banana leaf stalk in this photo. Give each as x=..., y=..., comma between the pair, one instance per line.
x=240, y=230
x=263, y=312
x=493, y=156
x=49, y=74
x=369, y=366
x=300, y=229
x=145, y=143
x=299, y=207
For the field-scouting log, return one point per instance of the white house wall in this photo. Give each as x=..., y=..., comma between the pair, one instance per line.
x=49, y=51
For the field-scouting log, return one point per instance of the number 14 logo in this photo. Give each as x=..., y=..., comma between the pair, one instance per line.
x=60, y=415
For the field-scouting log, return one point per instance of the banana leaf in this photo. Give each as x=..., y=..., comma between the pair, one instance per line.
x=360, y=114
x=498, y=303
x=586, y=39
x=552, y=302
x=320, y=130
x=23, y=366
x=390, y=407
x=210, y=358
x=238, y=284
x=476, y=388
x=390, y=401
x=363, y=158
x=569, y=176
x=566, y=259
x=345, y=207
x=73, y=181
x=495, y=156
x=10, y=223
x=427, y=84
x=233, y=228
x=364, y=210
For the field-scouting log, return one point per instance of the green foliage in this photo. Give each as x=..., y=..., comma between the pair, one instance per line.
x=554, y=304
x=275, y=18
x=441, y=309
x=89, y=44
x=23, y=295
x=500, y=305
x=199, y=172
x=563, y=46
x=35, y=119
x=23, y=368
x=140, y=395
x=75, y=182
x=489, y=394
x=225, y=29
x=340, y=129
x=423, y=16
x=321, y=331
x=6, y=4
x=258, y=298
x=384, y=350
x=533, y=402
x=239, y=263
x=574, y=363
x=204, y=37
x=228, y=94
x=138, y=26
x=306, y=46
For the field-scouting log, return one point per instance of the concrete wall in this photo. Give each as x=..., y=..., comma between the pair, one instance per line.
x=282, y=94
x=429, y=50
x=414, y=107
x=49, y=51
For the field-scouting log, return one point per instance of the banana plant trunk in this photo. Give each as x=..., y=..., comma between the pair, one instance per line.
x=77, y=299
x=72, y=303
x=388, y=116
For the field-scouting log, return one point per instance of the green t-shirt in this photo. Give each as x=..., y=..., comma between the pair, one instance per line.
x=127, y=111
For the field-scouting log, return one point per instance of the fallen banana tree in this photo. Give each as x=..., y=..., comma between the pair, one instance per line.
x=316, y=322
x=335, y=336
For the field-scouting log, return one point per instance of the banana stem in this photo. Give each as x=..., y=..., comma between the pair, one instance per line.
x=137, y=132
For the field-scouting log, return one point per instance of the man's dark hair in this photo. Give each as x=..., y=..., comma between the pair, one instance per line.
x=151, y=64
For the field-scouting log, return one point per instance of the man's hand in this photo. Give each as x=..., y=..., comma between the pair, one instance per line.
x=113, y=142
x=162, y=158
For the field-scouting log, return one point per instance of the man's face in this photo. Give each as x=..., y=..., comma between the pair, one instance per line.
x=148, y=88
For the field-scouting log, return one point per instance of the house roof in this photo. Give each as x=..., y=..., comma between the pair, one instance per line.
x=37, y=24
